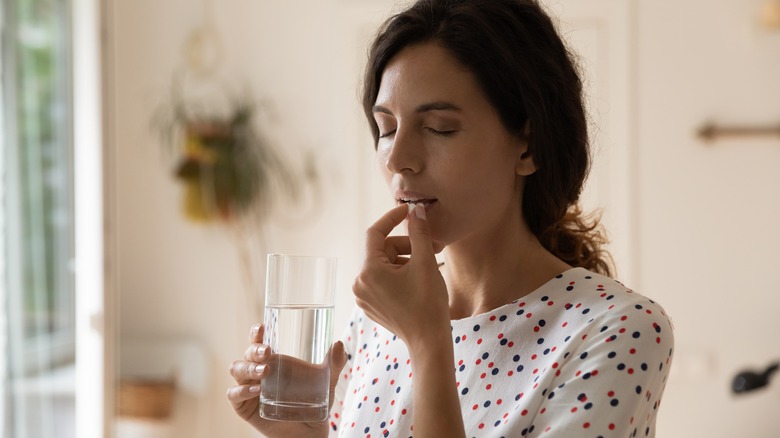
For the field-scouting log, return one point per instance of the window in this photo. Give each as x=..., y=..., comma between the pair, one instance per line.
x=37, y=216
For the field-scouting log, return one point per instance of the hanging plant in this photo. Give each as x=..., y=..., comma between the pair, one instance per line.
x=230, y=173
x=227, y=169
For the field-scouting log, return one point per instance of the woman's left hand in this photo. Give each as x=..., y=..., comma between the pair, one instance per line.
x=407, y=296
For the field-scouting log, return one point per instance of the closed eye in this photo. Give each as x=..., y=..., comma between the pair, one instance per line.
x=441, y=133
x=387, y=134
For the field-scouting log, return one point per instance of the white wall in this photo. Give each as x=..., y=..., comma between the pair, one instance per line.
x=707, y=224
x=709, y=220
x=183, y=280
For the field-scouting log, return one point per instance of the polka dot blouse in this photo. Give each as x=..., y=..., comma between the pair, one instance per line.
x=582, y=356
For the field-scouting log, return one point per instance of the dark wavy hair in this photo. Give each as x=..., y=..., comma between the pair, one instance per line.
x=531, y=78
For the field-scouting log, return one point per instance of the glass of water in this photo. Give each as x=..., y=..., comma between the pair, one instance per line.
x=299, y=303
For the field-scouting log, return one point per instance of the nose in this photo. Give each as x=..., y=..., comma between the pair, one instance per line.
x=404, y=154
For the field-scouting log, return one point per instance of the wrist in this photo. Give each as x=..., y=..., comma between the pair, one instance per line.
x=435, y=342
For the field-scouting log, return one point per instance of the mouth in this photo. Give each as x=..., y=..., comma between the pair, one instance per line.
x=426, y=202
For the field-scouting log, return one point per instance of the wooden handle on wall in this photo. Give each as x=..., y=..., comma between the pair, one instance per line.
x=711, y=132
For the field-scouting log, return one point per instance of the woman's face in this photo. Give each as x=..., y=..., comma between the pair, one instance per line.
x=442, y=143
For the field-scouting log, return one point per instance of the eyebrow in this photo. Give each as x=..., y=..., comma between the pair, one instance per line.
x=433, y=106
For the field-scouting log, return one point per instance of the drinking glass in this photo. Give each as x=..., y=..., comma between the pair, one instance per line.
x=299, y=304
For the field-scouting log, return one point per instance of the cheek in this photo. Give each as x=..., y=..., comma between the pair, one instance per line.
x=380, y=159
x=488, y=187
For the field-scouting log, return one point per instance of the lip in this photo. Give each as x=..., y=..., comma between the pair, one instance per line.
x=406, y=196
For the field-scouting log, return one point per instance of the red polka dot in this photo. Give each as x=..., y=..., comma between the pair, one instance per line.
x=586, y=425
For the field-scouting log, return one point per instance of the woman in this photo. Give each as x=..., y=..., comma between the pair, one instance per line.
x=477, y=112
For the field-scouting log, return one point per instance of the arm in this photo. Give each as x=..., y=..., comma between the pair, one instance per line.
x=436, y=403
x=409, y=298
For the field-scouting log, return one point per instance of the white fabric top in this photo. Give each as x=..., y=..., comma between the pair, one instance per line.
x=580, y=356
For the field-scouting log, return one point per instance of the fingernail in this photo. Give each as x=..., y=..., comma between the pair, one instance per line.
x=259, y=369
x=419, y=211
x=254, y=388
x=262, y=350
x=255, y=329
x=411, y=207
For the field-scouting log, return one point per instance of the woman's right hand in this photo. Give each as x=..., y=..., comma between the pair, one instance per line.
x=245, y=395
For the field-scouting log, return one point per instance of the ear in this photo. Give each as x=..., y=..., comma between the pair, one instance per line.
x=525, y=165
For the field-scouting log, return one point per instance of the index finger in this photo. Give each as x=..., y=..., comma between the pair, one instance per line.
x=377, y=233
x=256, y=333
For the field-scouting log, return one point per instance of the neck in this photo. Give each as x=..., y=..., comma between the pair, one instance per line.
x=484, y=273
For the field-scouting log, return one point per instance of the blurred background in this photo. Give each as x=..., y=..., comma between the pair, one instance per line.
x=154, y=152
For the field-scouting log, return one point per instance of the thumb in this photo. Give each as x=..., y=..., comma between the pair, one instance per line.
x=420, y=235
x=338, y=358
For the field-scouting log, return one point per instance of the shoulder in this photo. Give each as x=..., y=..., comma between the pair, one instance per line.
x=619, y=315
x=606, y=298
